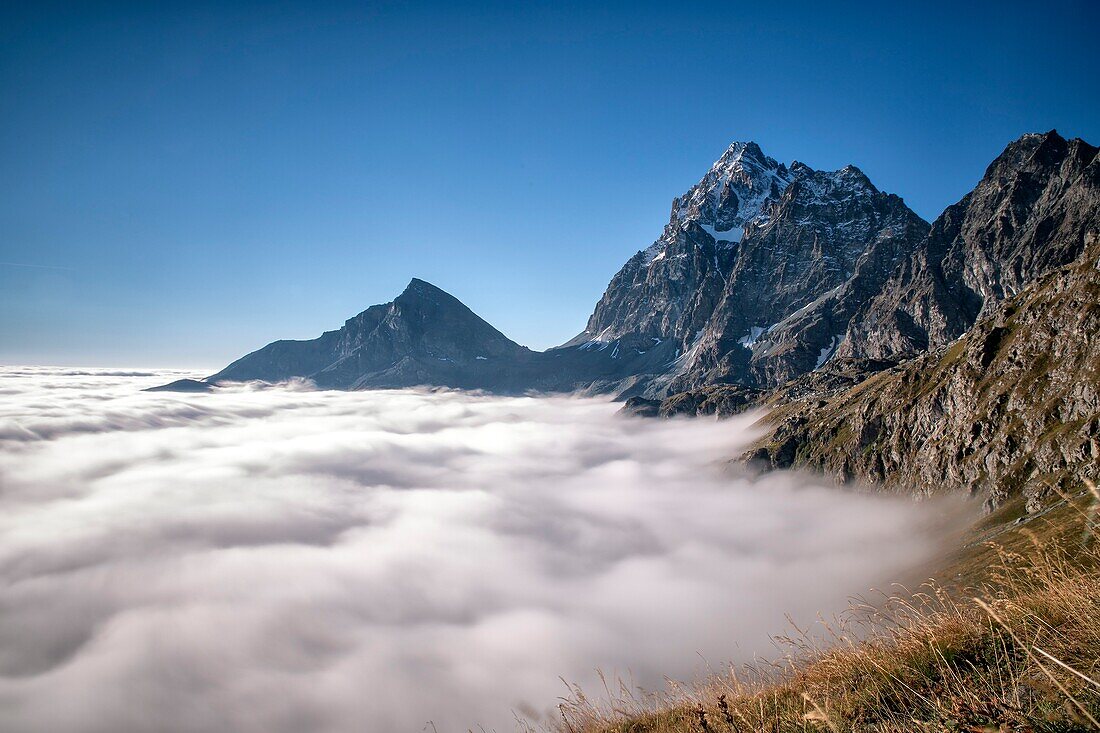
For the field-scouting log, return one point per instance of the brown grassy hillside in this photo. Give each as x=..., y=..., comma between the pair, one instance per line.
x=1007, y=638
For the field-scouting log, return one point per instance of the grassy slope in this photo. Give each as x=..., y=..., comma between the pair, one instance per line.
x=933, y=660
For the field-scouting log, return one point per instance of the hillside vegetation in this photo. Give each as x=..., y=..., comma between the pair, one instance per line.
x=1005, y=638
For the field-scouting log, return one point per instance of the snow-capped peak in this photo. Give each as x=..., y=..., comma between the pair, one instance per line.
x=735, y=191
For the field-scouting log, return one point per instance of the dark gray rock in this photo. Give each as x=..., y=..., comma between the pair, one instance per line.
x=1027, y=216
x=824, y=248
x=1012, y=407
x=640, y=407
x=423, y=337
x=755, y=277
x=722, y=400
x=183, y=385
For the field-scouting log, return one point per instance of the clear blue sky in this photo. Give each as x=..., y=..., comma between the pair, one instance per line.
x=182, y=183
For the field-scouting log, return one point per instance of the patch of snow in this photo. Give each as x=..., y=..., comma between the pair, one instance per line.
x=652, y=252
x=828, y=351
x=732, y=235
x=750, y=338
x=599, y=343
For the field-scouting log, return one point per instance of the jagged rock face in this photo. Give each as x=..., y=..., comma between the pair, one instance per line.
x=721, y=400
x=667, y=295
x=800, y=273
x=669, y=290
x=1013, y=406
x=1027, y=216
x=735, y=190
x=754, y=246
x=423, y=337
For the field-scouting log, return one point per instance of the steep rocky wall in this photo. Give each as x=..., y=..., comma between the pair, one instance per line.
x=1011, y=407
x=1027, y=216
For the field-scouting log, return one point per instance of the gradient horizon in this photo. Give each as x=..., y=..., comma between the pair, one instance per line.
x=184, y=184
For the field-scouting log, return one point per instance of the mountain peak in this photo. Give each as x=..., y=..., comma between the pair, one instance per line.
x=739, y=153
x=856, y=176
x=425, y=336
x=418, y=288
x=418, y=284
x=733, y=192
x=741, y=147
x=1020, y=150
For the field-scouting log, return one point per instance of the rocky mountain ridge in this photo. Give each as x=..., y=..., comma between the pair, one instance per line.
x=960, y=354
x=753, y=242
x=977, y=365
x=1028, y=215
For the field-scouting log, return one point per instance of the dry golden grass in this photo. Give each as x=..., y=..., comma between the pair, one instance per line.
x=1019, y=651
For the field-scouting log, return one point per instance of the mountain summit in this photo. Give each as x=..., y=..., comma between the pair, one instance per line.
x=756, y=275
x=1027, y=216
x=425, y=336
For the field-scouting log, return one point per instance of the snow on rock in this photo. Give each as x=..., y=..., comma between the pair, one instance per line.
x=828, y=351
x=733, y=235
x=755, y=332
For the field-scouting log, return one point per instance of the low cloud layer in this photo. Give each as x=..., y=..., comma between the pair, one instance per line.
x=287, y=560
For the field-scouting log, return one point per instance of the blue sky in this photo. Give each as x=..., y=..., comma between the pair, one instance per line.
x=182, y=183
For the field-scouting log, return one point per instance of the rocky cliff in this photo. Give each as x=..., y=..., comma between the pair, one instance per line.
x=1027, y=215
x=973, y=364
x=1012, y=406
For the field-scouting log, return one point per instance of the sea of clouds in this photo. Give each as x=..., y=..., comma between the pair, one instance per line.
x=286, y=560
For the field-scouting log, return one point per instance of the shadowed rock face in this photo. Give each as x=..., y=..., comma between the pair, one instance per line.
x=423, y=337
x=1028, y=215
x=826, y=246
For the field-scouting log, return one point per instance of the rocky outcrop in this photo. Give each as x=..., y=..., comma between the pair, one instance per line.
x=1027, y=216
x=1012, y=406
x=722, y=400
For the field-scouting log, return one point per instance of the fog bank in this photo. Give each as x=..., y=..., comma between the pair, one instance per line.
x=287, y=560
